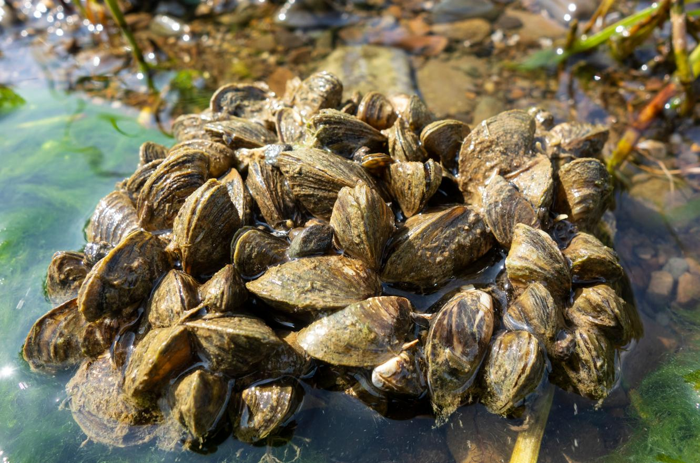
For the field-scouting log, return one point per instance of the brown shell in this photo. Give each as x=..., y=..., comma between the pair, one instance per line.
x=364, y=334
x=535, y=257
x=254, y=251
x=189, y=127
x=315, y=284
x=416, y=114
x=433, y=247
x=402, y=374
x=167, y=189
x=504, y=208
x=584, y=192
x=224, y=292
x=535, y=311
x=289, y=125
x=98, y=336
x=125, y=276
x=363, y=224
x=160, y=356
x=261, y=409
x=204, y=227
x=374, y=163
x=174, y=295
x=249, y=101
x=65, y=275
x=240, y=133
x=199, y=401
x=316, y=177
x=113, y=219
x=318, y=91
x=404, y=145
x=314, y=239
x=273, y=196
x=342, y=133
x=591, y=260
x=376, y=110
x=239, y=194
x=600, y=307
x=457, y=341
x=233, y=344
x=134, y=184
x=512, y=370
x=535, y=181
x=443, y=140
x=221, y=157
x=571, y=140
x=150, y=151
x=498, y=145
x=412, y=184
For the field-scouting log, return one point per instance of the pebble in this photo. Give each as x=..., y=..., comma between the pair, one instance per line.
x=455, y=10
x=487, y=107
x=469, y=30
x=536, y=27
x=660, y=287
x=688, y=289
x=676, y=266
x=693, y=265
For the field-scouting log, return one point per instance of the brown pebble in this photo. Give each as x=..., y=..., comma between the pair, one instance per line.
x=688, y=289
x=660, y=286
x=693, y=266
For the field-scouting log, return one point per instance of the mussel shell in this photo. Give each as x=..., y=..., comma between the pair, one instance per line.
x=134, y=184
x=318, y=91
x=289, y=125
x=167, y=189
x=249, y=101
x=600, y=307
x=316, y=177
x=199, y=401
x=374, y=163
x=404, y=145
x=314, y=284
x=498, y=145
x=363, y=334
x=535, y=311
x=433, y=247
x=416, y=114
x=512, y=370
x=240, y=196
x=363, y=224
x=403, y=375
x=342, y=133
x=224, y=292
x=376, y=110
x=314, y=239
x=233, y=344
x=189, y=127
x=204, y=227
x=113, y=219
x=571, y=140
x=65, y=275
x=149, y=152
x=535, y=181
x=505, y=207
x=584, y=192
x=99, y=335
x=253, y=251
x=221, y=157
x=591, y=260
x=174, y=295
x=240, y=133
x=535, y=257
x=443, y=140
x=412, y=184
x=273, y=196
x=457, y=341
x=125, y=276
x=160, y=356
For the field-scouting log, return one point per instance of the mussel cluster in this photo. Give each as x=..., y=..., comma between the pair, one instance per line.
x=267, y=247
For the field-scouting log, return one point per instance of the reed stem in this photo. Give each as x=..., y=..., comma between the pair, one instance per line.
x=527, y=446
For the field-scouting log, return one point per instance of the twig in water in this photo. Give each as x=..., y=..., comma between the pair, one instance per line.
x=527, y=447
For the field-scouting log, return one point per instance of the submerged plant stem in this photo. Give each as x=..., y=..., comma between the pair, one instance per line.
x=527, y=447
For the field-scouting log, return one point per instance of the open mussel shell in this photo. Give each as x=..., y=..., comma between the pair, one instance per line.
x=169, y=186
x=504, y=208
x=318, y=91
x=535, y=181
x=404, y=144
x=584, y=191
x=376, y=110
x=198, y=401
x=512, y=370
x=224, y=292
x=314, y=239
x=150, y=151
x=600, y=307
x=261, y=409
x=113, y=219
x=239, y=194
x=443, y=140
x=498, y=145
x=590, y=369
x=233, y=344
x=457, y=341
x=253, y=251
x=273, y=196
x=571, y=140
x=124, y=277
x=364, y=334
x=314, y=284
x=432, y=247
x=203, y=228
x=220, y=156
x=316, y=176
x=101, y=411
x=289, y=125
x=412, y=184
x=65, y=275
x=174, y=295
x=363, y=223
x=535, y=257
x=535, y=311
x=249, y=101
x=160, y=356
x=134, y=184
x=403, y=374
x=591, y=260
x=342, y=133
x=240, y=133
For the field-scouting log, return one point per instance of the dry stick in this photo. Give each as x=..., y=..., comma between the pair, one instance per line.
x=600, y=12
x=527, y=447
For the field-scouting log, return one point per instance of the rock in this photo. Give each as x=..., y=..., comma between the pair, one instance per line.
x=688, y=289
x=487, y=106
x=536, y=27
x=444, y=85
x=455, y=10
x=469, y=30
x=693, y=265
x=368, y=67
x=311, y=14
x=660, y=287
x=508, y=22
x=676, y=266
